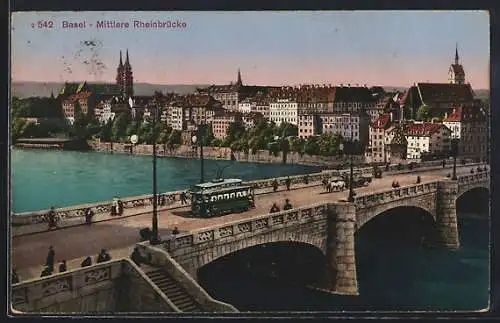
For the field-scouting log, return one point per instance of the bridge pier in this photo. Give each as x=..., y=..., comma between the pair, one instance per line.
x=340, y=250
x=446, y=215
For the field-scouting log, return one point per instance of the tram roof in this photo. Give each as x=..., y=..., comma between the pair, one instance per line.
x=218, y=183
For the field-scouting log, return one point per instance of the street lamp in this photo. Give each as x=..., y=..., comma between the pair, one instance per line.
x=154, y=239
x=343, y=146
x=199, y=139
x=454, y=151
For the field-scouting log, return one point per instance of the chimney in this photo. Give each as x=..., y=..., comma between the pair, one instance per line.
x=392, y=117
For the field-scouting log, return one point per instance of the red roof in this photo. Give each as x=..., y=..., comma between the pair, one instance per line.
x=465, y=113
x=424, y=129
x=382, y=122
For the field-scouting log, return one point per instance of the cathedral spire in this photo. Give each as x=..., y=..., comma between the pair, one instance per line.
x=126, y=59
x=239, y=82
x=121, y=64
x=456, y=54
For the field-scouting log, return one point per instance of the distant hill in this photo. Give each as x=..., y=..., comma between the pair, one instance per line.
x=30, y=89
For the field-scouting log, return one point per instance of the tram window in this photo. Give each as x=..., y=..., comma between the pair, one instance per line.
x=213, y=198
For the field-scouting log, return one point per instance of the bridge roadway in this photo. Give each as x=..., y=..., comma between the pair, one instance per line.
x=120, y=235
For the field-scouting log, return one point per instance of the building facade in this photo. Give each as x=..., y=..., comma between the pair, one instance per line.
x=283, y=110
x=221, y=121
x=425, y=138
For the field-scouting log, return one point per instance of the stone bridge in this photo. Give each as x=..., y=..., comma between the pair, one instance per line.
x=330, y=227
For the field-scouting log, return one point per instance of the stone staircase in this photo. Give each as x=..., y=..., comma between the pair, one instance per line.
x=172, y=289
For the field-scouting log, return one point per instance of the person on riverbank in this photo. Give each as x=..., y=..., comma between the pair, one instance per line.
x=275, y=185
x=175, y=231
x=162, y=201
x=120, y=207
x=288, y=182
x=89, y=214
x=288, y=205
x=52, y=218
x=275, y=208
x=63, y=267
x=103, y=256
x=50, y=258
x=87, y=262
x=418, y=179
x=306, y=179
x=114, y=207
x=444, y=163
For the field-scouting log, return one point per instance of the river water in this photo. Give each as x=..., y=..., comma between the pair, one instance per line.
x=44, y=178
x=391, y=275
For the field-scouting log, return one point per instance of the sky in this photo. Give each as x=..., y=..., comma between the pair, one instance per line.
x=388, y=48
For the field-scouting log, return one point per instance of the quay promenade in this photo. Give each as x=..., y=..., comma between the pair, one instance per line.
x=120, y=234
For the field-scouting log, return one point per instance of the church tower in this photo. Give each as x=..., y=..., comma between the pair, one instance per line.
x=128, y=79
x=456, y=74
x=119, y=73
x=239, y=82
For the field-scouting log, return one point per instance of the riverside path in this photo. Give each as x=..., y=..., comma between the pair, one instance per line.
x=120, y=235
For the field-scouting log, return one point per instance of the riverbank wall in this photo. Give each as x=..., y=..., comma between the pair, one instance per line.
x=223, y=153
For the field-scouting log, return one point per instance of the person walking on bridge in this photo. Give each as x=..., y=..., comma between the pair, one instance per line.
x=63, y=267
x=275, y=185
x=288, y=205
x=89, y=214
x=275, y=208
x=52, y=218
x=50, y=258
x=103, y=256
x=183, y=198
x=87, y=262
x=288, y=182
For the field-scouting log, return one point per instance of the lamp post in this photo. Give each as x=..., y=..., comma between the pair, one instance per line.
x=199, y=139
x=343, y=146
x=154, y=239
x=454, y=151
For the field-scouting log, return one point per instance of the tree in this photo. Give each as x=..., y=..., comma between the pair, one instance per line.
x=18, y=128
x=312, y=147
x=423, y=113
x=119, y=128
x=297, y=145
x=174, y=140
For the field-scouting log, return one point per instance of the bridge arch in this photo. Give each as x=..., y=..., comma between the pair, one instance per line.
x=470, y=187
x=217, y=252
x=426, y=204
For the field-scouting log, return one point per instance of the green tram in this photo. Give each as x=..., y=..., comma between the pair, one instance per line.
x=221, y=196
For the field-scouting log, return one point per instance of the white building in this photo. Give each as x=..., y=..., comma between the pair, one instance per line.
x=427, y=138
x=283, y=110
x=378, y=139
x=353, y=127
x=175, y=117
x=103, y=111
x=246, y=106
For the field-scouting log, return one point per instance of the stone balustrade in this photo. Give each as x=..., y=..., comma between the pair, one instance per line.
x=237, y=229
x=159, y=258
x=98, y=288
x=374, y=198
x=27, y=218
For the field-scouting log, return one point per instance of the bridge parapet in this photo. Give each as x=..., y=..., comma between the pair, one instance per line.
x=243, y=228
x=78, y=211
x=390, y=195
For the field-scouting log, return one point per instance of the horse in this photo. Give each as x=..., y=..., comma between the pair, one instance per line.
x=336, y=186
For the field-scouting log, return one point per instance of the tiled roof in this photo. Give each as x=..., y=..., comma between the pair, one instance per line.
x=382, y=122
x=465, y=113
x=423, y=129
x=445, y=92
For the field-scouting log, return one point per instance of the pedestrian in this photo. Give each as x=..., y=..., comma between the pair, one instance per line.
x=162, y=200
x=103, y=256
x=62, y=266
x=175, y=231
x=275, y=208
x=114, y=207
x=306, y=179
x=288, y=182
x=275, y=185
x=418, y=179
x=120, y=207
x=444, y=163
x=183, y=198
x=47, y=271
x=136, y=257
x=15, y=277
x=89, y=214
x=50, y=258
x=288, y=205
x=52, y=218
x=87, y=262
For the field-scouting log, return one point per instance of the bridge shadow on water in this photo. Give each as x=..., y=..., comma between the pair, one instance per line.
x=395, y=270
